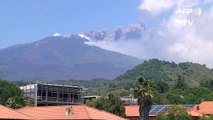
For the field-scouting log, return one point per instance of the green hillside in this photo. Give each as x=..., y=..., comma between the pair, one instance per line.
x=153, y=70
x=162, y=70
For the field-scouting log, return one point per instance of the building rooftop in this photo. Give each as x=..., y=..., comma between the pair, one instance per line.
x=51, y=84
x=129, y=101
x=205, y=107
x=91, y=96
x=77, y=112
x=132, y=110
x=8, y=113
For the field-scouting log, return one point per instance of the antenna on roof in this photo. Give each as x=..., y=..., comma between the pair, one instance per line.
x=69, y=110
x=198, y=107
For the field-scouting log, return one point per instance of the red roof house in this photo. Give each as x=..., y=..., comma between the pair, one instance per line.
x=72, y=112
x=205, y=107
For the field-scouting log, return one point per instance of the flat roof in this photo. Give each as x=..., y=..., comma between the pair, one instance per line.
x=52, y=84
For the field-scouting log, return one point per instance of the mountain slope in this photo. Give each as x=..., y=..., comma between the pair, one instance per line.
x=161, y=70
x=59, y=57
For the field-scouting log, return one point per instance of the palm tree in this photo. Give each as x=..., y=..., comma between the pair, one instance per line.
x=144, y=92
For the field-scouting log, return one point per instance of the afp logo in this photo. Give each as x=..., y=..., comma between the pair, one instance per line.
x=189, y=11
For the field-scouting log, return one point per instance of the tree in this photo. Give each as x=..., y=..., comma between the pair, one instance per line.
x=181, y=83
x=144, y=92
x=120, y=92
x=11, y=95
x=210, y=85
x=207, y=83
x=175, y=112
x=19, y=102
x=15, y=102
x=172, y=98
x=161, y=86
x=111, y=104
x=204, y=117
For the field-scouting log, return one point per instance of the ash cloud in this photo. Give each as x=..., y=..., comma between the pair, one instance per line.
x=170, y=40
x=132, y=31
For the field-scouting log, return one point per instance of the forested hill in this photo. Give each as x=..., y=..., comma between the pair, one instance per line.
x=162, y=70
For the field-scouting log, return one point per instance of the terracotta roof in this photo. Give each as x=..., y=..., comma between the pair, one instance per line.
x=8, y=113
x=132, y=110
x=205, y=107
x=80, y=112
x=194, y=113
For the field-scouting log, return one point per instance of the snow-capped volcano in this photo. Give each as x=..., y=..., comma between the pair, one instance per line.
x=82, y=35
x=62, y=58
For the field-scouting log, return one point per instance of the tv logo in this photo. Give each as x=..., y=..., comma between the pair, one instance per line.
x=188, y=21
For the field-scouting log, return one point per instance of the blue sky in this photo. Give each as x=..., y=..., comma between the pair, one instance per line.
x=30, y=20
x=165, y=36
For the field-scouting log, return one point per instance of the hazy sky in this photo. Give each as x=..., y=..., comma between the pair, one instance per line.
x=175, y=30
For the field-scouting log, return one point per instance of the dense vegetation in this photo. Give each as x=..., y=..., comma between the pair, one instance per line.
x=11, y=95
x=210, y=117
x=112, y=104
x=181, y=93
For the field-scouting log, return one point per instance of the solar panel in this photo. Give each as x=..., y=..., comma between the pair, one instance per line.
x=155, y=109
x=158, y=108
x=189, y=105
